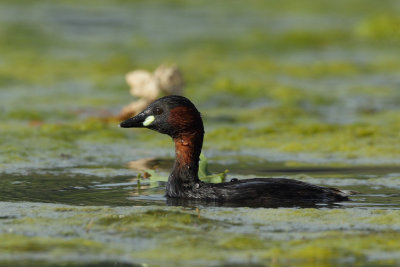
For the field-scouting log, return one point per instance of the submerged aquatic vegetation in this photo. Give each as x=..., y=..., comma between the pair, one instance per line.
x=365, y=141
x=173, y=234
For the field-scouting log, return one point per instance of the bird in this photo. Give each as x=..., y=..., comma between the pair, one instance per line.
x=178, y=117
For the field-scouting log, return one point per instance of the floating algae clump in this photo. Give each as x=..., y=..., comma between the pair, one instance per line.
x=178, y=234
x=19, y=243
x=380, y=27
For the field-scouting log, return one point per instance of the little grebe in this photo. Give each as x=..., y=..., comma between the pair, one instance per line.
x=177, y=117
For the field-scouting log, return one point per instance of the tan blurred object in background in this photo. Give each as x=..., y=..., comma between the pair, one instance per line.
x=147, y=86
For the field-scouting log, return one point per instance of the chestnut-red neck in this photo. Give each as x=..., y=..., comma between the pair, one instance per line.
x=187, y=133
x=184, y=175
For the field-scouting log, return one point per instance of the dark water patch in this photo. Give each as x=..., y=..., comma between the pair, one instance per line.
x=74, y=189
x=376, y=186
x=7, y=217
x=44, y=263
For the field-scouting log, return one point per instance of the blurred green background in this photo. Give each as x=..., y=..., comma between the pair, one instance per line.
x=272, y=79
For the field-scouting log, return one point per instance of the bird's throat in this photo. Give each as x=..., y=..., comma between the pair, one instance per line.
x=184, y=174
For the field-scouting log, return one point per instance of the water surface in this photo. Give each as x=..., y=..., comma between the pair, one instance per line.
x=85, y=218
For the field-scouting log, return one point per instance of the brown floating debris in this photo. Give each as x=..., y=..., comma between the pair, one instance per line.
x=147, y=86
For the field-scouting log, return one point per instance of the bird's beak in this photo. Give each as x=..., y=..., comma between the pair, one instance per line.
x=137, y=121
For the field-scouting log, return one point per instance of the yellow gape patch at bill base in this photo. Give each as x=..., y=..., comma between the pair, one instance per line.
x=148, y=120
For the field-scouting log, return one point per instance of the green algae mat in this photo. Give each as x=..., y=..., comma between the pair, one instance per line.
x=307, y=90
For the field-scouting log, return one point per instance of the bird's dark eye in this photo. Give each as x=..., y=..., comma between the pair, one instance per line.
x=158, y=111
